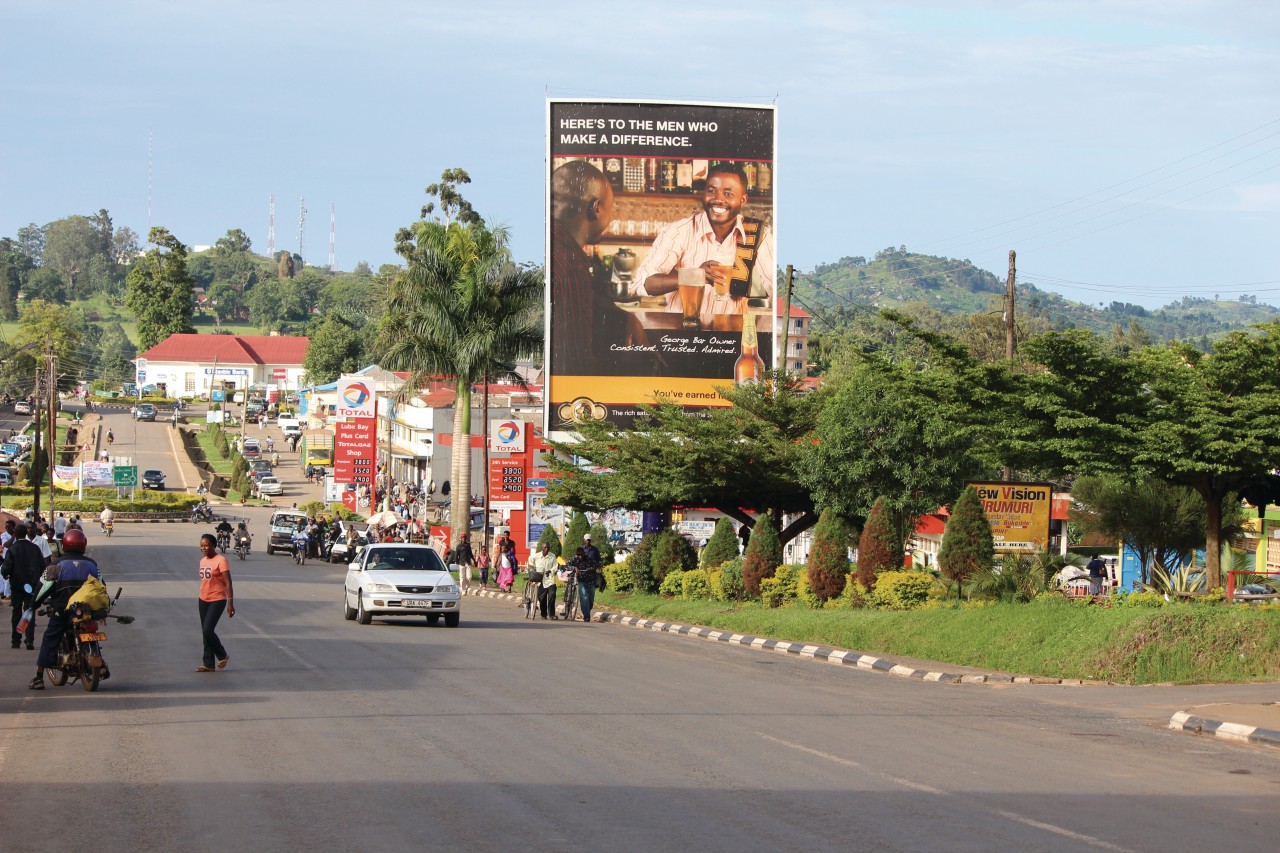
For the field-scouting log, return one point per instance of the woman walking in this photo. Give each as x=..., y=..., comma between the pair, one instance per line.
x=507, y=566
x=215, y=597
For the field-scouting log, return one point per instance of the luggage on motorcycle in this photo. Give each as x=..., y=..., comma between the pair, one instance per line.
x=93, y=594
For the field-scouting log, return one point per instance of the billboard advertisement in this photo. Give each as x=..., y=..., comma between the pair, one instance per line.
x=1019, y=514
x=356, y=398
x=355, y=446
x=661, y=256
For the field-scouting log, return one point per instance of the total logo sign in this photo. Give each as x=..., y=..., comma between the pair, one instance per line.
x=507, y=437
x=356, y=398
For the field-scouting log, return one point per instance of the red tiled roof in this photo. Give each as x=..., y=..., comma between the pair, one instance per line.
x=230, y=349
x=797, y=311
x=930, y=525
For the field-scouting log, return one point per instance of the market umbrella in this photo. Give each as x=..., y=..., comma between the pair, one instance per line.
x=385, y=518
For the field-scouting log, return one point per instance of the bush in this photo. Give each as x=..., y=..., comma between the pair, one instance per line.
x=806, y=595
x=829, y=559
x=695, y=586
x=578, y=527
x=763, y=555
x=901, y=590
x=550, y=537
x=714, y=587
x=730, y=582
x=642, y=579
x=673, y=584
x=671, y=552
x=617, y=577
x=967, y=547
x=854, y=597
x=771, y=592
x=721, y=547
x=1139, y=599
x=878, y=548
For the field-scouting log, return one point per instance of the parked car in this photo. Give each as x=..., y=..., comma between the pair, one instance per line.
x=144, y=412
x=269, y=485
x=7, y=477
x=153, y=478
x=23, y=439
x=340, y=553
x=390, y=579
x=22, y=407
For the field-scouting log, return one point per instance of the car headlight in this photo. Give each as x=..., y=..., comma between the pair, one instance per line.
x=447, y=588
x=381, y=587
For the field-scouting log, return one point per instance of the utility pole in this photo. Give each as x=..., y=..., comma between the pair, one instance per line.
x=35, y=447
x=786, y=315
x=1009, y=343
x=53, y=426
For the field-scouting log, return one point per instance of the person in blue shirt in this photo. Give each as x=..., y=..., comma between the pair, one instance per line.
x=68, y=575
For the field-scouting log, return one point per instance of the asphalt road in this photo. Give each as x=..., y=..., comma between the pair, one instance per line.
x=504, y=734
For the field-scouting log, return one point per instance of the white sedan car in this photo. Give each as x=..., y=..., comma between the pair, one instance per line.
x=391, y=579
x=268, y=485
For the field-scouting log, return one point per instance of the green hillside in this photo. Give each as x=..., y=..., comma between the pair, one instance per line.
x=923, y=284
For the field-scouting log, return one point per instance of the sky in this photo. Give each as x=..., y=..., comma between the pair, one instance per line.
x=1127, y=150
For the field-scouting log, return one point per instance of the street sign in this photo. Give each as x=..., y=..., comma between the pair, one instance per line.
x=537, y=483
x=124, y=475
x=218, y=396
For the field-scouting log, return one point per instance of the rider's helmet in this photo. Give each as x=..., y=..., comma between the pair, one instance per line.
x=74, y=541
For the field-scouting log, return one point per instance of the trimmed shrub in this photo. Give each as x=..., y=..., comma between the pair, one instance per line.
x=642, y=579
x=695, y=586
x=901, y=590
x=730, y=581
x=806, y=595
x=550, y=537
x=600, y=538
x=967, y=547
x=721, y=547
x=771, y=592
x=763, y=555
x=671, y=552
x=673, y=584
x=617, y=577
x=878, y=548
x=578, y=527
x=829, y=559
x=854, y=597
x=714, y=587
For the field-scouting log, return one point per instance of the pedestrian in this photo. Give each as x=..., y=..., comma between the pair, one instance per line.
x=507, y=567
x=588, y=573
x=1097, y=573
x=23, y=565
x=542, y=570
x=216, y=596
x=465, y=558
x=482, y=567
x=592, y=552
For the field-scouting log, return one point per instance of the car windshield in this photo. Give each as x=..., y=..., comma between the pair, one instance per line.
x=408, y=559
x=152, y=473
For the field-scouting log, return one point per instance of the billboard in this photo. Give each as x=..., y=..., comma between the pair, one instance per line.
x=1019, y=514
x=357, y=397
x=661, y=256
x=355, y=445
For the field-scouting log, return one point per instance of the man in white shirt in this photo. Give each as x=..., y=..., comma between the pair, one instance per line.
x=59, y=526
x=734, y=252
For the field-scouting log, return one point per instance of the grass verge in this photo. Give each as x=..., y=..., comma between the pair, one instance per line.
x=1183, y=644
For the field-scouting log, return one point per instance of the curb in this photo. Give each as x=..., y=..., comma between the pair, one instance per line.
x=1185, y=722
x=842, y=657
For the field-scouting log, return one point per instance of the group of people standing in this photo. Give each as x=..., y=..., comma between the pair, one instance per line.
x=544, y=568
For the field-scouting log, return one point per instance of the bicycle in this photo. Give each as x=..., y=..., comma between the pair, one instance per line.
x=570, y=598
x=529, y=600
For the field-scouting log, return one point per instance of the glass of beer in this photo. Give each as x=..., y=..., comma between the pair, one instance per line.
x=693, y=286
x=722, y=286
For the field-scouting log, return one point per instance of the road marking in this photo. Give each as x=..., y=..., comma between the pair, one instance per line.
x=928, y=789
x=178, y=459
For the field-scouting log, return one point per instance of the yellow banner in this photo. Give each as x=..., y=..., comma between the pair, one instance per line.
x=621, y=390
x=1019, y=514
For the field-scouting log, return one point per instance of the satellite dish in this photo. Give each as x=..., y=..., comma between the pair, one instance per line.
x=417, y=403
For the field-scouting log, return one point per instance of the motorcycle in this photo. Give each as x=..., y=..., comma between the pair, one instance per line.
x=201, y=512
x=107, y=527
x=80, y=650
x=242, y=547
x=224, y=541
x=299, y=551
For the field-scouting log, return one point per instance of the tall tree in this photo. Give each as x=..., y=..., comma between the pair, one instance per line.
x=160, y=291
x=30, y=239
x=967, y=546
x=460, y=310
x=879, y=546
x=334, y=348
x=452, y=206
x=763, y=554
x=69, y=246
x=828, y=567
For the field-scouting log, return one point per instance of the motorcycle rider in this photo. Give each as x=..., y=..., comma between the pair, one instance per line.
x=106, y=517
x=111, y=437
x=224, y=534
x=242, y=534
x=68, y=575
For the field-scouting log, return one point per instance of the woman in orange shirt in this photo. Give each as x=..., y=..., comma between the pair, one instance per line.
x=215, y=597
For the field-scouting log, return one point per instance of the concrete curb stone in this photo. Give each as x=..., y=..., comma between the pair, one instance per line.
x=839, y=657
x=1240, y=733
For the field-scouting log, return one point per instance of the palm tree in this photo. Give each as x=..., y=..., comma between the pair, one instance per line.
x=459, y=310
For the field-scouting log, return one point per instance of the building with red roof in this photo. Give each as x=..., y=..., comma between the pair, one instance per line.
x=797, y=339
x=193, y=365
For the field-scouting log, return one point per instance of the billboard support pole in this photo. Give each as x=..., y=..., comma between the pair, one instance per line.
x=1009, y=343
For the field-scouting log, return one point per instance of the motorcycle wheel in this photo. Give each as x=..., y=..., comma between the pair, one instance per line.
x=89, y=675
x=57, y=677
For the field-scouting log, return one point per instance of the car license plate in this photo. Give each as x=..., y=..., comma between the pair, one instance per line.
x=412, y=603
x=87, y=638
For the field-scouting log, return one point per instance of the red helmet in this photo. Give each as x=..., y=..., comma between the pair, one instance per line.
x=74, y=541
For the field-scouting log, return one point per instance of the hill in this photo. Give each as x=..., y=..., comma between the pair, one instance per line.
x=896, y=278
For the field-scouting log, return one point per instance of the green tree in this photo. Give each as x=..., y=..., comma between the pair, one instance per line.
x=266, y=308
x=30, y=240
x=45, y=283
x=461, y=309
x=160, y=291
x=763, y=554
x=736, y=459
x=334, y=348
x=125, y=247
x=721, y=547
x=69, y=246
x=49, y=329
x=828, y=567
x=225, y=301
x=115, y=352
x=967, y=547
x=600, y=538
x=578, y=527
x=234, y=242
x=550, y=537
x=880, y=545
x=452, y=206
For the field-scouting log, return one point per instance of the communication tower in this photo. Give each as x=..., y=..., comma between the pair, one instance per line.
x=331, y=221
x=302, y=221
x=271, y=228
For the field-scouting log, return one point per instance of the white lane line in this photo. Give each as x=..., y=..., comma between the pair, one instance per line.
x=176, y=458
x=288, y=652
x=928, y=789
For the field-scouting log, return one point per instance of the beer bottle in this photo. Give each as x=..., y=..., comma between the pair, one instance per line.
x=749, y=367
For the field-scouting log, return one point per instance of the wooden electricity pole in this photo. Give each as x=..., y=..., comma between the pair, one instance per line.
x=1009, y=341
x=53, y=427
x=786, y=315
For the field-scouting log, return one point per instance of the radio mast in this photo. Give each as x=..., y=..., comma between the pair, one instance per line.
x=331, y=221
x=271, y=228
x=302, y=221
